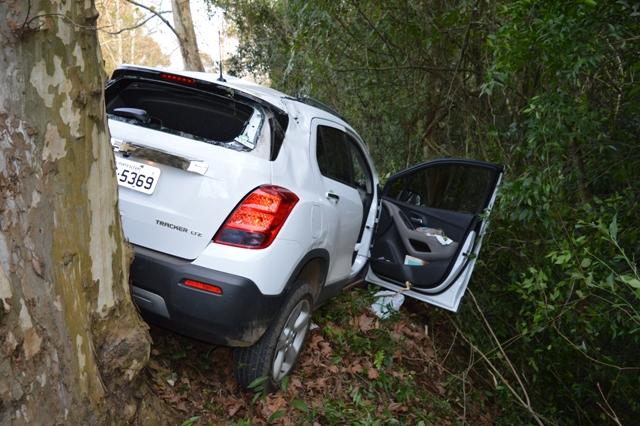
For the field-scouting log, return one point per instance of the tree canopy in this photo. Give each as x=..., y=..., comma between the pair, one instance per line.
x=550, y=89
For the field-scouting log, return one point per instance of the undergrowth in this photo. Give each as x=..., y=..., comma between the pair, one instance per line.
x=355, y=369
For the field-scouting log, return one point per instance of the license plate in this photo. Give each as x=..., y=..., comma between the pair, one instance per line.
x=137, y=176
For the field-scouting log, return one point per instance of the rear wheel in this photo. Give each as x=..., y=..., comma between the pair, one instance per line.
x=277, y=352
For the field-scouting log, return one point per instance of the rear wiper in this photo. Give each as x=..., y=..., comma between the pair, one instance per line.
x=135, y=113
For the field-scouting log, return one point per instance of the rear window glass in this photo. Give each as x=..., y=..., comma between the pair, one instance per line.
x=186, y=112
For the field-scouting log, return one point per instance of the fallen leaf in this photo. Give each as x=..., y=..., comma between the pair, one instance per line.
x=274, y=402
x=315, y=339
x=234, y=407
x=397, y=407
x=408, y=330
x=373, y=374
x=366, y=323
x=428, y=351
x=397, y=374
x=355, y=368
x=182, y=406
x=295, y=383
x=319, y=383
x=325, y=348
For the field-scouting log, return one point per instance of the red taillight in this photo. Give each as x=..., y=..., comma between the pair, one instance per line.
x=177, y=78
x=258, y=218
x=203, y=286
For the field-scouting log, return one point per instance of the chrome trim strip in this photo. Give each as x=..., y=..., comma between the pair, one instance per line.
x=159, y=156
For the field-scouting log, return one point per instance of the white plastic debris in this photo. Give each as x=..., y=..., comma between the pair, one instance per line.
x=313, y=326
x=438, y=234
x=413, y=261
x=444, y=240
x=386, y=303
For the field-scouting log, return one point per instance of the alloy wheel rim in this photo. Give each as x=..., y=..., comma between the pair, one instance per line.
x=291, y=339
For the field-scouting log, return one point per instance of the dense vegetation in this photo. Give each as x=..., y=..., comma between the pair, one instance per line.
x=550, y=89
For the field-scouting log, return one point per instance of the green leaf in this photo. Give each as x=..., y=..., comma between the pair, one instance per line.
x=258, y=386
x=609, y=280
x=190, y=421
x=275, y=416
x=379, y=359
x=586, y=262
x=258, y=383
x=613, y=228
x=284, y=385
x=632, y=281
x=299, y=404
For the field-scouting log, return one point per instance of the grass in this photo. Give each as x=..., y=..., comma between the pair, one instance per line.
x=355, y=369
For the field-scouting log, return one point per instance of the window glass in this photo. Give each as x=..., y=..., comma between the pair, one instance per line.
x=333, y=155
x=188, y=113
x=455, y=187
x=361, y=174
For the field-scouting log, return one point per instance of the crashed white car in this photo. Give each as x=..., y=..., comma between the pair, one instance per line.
x=248, y=208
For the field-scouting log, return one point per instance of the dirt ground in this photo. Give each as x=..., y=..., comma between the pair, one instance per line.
x=355, y=369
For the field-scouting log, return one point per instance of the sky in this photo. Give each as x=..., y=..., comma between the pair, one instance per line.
x=206, y=28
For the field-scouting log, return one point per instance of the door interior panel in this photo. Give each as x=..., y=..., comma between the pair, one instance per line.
x=454, y=224
x=430, y=222
x=397, y=238
x=418, y=276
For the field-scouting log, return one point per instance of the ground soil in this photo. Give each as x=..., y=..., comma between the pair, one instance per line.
x=355, y=369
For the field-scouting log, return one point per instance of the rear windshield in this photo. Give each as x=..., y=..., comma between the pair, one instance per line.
x=186, y=112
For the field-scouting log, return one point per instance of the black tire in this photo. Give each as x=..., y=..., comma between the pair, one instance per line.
x=257, y=361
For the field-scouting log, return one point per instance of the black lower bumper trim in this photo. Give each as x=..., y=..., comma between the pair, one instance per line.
x=149, y=301
x=237, y=317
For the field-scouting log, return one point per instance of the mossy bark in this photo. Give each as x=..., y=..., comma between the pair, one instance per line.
x=72, y=345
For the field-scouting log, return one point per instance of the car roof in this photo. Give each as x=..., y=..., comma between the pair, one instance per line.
x=272, y=96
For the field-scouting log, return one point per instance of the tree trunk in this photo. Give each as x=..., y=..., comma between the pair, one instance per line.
x=186, y=35
x=72, y=345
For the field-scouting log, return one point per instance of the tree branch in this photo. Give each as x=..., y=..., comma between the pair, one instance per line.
x=138, y=25
x=158, y=14
x=403, y=67
x=537, y=417
x=90, y=27
x=375, y=29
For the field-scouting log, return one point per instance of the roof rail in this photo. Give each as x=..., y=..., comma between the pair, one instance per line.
x=316, y=103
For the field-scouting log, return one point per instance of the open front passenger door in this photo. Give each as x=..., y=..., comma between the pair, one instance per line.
x=432, y=218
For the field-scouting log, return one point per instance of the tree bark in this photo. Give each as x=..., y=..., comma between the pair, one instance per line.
x=72, y=345
x=186, y=35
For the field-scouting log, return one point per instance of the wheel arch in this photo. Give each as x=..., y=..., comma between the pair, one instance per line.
x=311, y=269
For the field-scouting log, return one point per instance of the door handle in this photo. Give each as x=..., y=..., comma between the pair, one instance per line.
x=416, y=220
x=332, y=196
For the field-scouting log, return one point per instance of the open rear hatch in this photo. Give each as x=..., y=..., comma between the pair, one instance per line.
x=187, y=151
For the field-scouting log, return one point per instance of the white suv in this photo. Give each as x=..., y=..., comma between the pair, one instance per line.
x=247, y=208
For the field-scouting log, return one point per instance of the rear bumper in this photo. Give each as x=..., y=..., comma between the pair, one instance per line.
x=238, y=317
